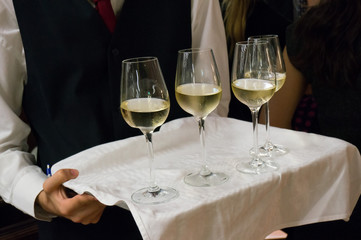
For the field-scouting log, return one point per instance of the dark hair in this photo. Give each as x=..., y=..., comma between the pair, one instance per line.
x=330, y=34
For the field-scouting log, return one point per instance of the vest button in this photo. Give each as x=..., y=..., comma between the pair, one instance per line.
x=115, y=52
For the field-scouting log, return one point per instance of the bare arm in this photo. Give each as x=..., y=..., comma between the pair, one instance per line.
x=284, y=103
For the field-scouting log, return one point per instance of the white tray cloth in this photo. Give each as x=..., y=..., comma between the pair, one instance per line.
x=319, y=180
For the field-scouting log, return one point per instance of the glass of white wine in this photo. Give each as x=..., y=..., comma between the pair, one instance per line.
x=198, y=92
x=253, y=84
x=270, y=149
x=145, y=105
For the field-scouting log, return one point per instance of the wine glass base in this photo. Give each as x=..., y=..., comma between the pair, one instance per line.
x=270, y=150
x=165, y=194
x=212, y=179
x=251, y=168
x=279, y=150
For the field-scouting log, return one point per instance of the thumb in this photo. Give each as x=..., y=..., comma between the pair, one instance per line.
x=60, y=177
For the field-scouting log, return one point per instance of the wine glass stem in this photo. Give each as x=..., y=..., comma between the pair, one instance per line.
x=153, y=187
x=268, y=136
x=255, y=132
x=204, y=170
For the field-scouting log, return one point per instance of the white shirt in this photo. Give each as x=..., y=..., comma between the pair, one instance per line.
x=21, y=179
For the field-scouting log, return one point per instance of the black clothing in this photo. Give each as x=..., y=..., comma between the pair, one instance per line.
x=338, y=115
x=72, y=95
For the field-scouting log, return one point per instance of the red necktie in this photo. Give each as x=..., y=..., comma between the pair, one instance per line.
x=105, y=10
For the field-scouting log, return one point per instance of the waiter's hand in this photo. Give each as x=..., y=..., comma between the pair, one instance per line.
x=54, y=199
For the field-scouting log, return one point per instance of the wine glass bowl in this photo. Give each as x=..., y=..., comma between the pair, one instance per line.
x=198, y=99
x=145, y=113
x=253, y=92
x=144, y=104
x=198, y=92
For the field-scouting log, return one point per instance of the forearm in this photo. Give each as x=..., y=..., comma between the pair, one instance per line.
x=20, y=179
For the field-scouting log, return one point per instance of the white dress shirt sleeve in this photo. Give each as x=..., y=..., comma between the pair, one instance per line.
x=208, y=32
x=20, y=179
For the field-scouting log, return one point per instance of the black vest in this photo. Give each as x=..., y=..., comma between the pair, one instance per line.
x=72, y=96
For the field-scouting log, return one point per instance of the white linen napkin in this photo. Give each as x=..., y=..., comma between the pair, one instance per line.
x=308, y=187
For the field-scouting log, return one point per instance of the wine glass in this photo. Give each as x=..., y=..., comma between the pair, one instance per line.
x=145, y=105
x=269, y=149
x=198, y=92
x=253, y=84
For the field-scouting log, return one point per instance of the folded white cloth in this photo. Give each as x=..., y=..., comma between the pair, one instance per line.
x=318, y=180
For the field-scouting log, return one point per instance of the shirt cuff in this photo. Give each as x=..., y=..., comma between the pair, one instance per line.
x=26, y=190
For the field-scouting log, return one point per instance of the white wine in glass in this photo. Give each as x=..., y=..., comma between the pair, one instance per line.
x=268, y=148
x=145, y=113
x=198, y=92
x=198, y=99
x=145, y=105
x=253, y=84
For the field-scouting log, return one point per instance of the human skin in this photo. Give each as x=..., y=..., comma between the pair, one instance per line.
x=80, y=208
